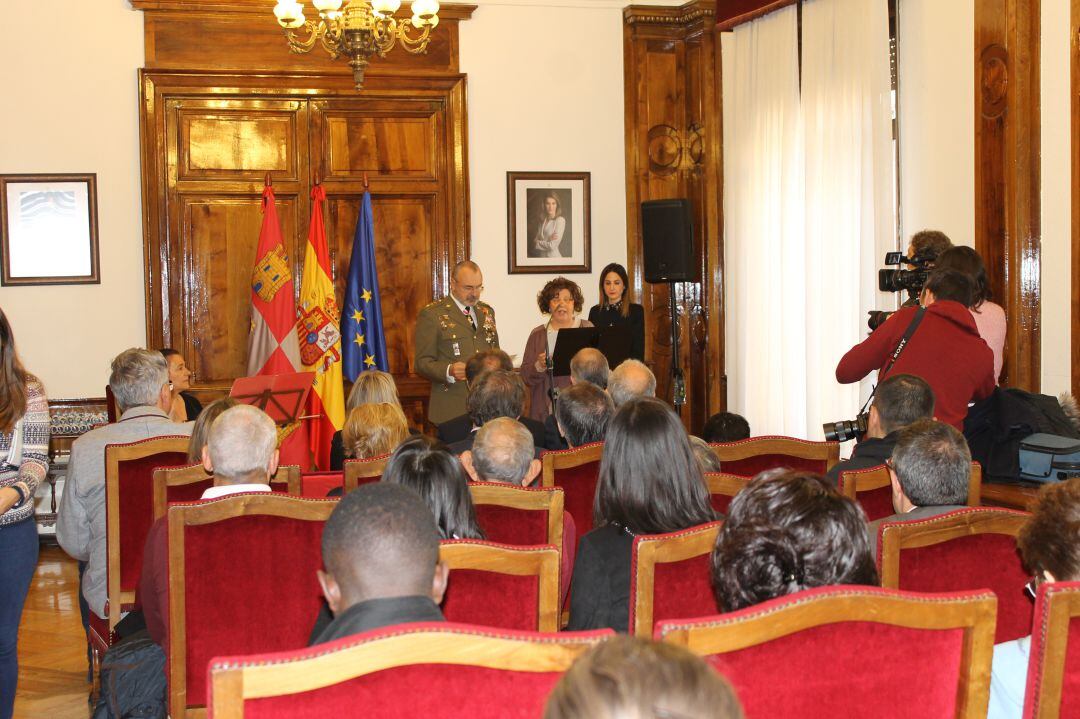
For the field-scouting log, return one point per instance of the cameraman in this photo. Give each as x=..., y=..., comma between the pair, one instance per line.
x=898, y=401
x=945, y=348
x=929, y=245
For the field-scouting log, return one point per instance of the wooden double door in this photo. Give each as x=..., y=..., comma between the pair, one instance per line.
x=209, y=141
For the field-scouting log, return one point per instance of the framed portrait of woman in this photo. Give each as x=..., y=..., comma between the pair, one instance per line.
x=548, y=222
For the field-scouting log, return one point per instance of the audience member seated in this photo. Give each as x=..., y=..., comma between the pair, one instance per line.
x=373, y=429
x=371, y=387
x=201, y=429
x=1049, y=544
x=588, y=365
x=460, y=427
x=497, y=393
x=241, y=452
x=725, y=427
x=630, y=380
x=989, y=317
x=787, y=531
x=184, y=406
x=929, y=469
x=140, y=383
x=649, y=483
x=561, y=300
x=898, y=401
x=706, y=458
x=631, y=678
x=502, y=452
x=380, y=551
x=582, y=414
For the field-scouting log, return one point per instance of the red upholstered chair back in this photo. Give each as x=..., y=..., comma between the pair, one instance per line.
x=129, y=510
x=287, y=479
x=510, y=514
x=669, y=577
x=848, y=651
x=241, y=581
x=497, y=585
x=872, y=489
x=577, y=471
x=723, y=488
x=963, y=550
x=445, y=670
x=747, y=457
x=1053, y=682
x=179, y=484
x=319, y=484
x=364, y=471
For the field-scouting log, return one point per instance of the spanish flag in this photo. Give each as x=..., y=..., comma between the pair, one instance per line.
x=320, y=340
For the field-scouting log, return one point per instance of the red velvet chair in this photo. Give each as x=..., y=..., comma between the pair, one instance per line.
x=230, y=562
x=848, y=651
x=187, y=484
x=1053, y=682
x=364, y=471
x=129, y=512
x=669, y=577
x=747, y=457
x=963, y=550
x=872, y=489
x=445, y=670
x=577, y=471
x=510, y=514
x=317, y=485
x=723, y=488
x=287, y=479
x=497, y=585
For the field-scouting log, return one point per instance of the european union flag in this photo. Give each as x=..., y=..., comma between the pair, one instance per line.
x=362, y=340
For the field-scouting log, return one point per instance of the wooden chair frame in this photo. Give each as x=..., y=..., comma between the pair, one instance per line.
x=1056, y=605
x=234, y=680
x=853, y=481
x=550, y=499
x=187, y=514
x=288, y=475
x=896, y=536
x=772, y=444
x=114, y=455
x=568, y=459
x=974, y=612
x=354, y=469
x=650, y=550
x=539, y=561
x=726, y=484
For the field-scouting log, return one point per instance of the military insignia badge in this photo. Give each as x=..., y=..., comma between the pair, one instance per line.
x=271, y=273
x=318, y=334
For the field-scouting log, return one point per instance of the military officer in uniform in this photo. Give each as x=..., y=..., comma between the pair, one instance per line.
x=448, y=332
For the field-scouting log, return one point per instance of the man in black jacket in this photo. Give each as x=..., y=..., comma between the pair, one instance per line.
x=899, y=401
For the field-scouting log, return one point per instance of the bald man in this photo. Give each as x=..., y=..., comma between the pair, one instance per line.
x=630, y=380
x=448, y=332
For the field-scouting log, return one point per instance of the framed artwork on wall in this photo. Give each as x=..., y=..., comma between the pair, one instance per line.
x=48, y=230
x=548, y=222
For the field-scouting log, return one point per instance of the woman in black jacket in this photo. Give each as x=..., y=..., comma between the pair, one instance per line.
x=615, y=311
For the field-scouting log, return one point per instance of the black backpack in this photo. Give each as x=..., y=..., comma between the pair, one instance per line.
x=133, y=682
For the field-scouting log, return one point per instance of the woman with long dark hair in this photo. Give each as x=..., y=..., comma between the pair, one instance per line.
x=989, y=316
x=614, y=310
x=650, y=483
x=426, y=466
x=24, y=461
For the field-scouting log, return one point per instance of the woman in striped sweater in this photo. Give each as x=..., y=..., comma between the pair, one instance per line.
x=24, y=460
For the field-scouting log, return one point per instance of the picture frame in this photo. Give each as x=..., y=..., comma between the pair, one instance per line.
x=49, y=230
x=548, y=223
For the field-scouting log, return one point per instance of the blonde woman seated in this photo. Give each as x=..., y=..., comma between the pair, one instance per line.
x=371, y=387
x=373, y=429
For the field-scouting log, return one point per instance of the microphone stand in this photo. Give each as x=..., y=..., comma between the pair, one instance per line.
x=678, y=383
x=549, y=364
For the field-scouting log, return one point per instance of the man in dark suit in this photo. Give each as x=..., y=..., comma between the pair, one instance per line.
x=496, y=394
x=458, y=428
x=381, y=552
x=588, y=365
x=930, y=470
x=583, y=413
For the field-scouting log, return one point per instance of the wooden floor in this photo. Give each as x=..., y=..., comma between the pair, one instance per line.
x=52, y=646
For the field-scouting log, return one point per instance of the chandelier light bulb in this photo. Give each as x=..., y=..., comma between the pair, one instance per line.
x=325, y=6
x=425, y=9
x=289, y=13
x=385, y=8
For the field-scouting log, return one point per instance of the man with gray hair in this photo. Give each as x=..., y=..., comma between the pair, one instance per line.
x=502, y=452
x=495, y=394
x=589, y=365
x=930, y=470
x=583, y=413
x=241, y=452
x=140, y=383
x=630, y=380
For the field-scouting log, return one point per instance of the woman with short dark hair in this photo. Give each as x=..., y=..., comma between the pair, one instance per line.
x=787, y=531
x=561, y=300
x=650, y=483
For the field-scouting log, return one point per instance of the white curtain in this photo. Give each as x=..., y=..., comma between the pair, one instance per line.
x=798, y=292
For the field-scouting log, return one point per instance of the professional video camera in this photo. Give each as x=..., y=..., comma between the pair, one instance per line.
x=899, y=280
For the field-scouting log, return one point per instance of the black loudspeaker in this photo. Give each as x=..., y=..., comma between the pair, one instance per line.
x=667, y=238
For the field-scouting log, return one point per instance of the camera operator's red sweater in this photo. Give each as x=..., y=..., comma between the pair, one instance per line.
x=945, y=350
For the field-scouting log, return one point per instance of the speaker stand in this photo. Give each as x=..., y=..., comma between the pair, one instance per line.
x=678, y=383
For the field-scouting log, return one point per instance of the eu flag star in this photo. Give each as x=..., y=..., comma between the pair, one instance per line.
x=359, y=340
x=358, y=316
x=369, y=361
x=366, y=295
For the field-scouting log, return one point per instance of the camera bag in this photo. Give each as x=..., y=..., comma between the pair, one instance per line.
x=1049, y=458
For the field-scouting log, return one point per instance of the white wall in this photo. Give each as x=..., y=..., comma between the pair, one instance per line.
x=73, y=107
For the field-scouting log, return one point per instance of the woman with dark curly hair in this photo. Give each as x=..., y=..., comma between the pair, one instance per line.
x=787, y=531
x=561, y=300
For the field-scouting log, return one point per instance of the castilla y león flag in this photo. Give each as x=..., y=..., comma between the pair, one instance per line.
x=320, y=339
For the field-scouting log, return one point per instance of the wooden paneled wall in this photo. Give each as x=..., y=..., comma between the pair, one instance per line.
x=673, y=150
x=1074, y=106
x=224, y=103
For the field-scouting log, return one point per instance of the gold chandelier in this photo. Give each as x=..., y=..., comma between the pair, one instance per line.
x=359, y=30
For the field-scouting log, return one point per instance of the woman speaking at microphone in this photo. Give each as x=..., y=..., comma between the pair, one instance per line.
x=561, y=300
